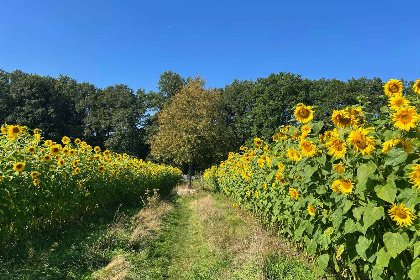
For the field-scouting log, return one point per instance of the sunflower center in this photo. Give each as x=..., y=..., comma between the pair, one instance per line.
x=394, y=88
x=19, y=166
x=401, y=214
x=399, y=102
x=346, y=185
x=405, y=118
x=304, y=113
x=344, y=120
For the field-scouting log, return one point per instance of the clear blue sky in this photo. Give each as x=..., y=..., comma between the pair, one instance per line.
x=133, y=42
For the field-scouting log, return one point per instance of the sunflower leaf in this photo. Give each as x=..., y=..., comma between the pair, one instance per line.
x=362, y=245
x=395, y=243
x=363, y=173
x=387, y=192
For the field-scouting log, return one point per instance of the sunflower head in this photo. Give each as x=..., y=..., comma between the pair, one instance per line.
x=294, y=154
x=406, y=118
x=14, y=131
x=258, y=142
x=402, y=215
x=46, y=157
x=303, y=113
x=97, y=149
x=346, y=186
x=311, y=210
x=336, y=147
x=19, y=166
x=308, y=148
x=55, y=150
x=397, y=101
x=31, y=149
x=293, y=193
x=340, y=168
x=416, y=86
x=361, y=141
x=343, y=118
x=65, y=140
x=393, y=87
x=415, y=176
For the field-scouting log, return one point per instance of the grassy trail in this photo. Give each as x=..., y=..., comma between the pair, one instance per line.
x=200, y=236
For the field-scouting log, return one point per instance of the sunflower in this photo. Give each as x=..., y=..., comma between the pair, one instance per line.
x=55, y=150
x=340, y=168
x=303, y=113
x=60, y=162
x=280, y=178
x=336, y=186
x=306, y=130
x=276, y=137
x=107, y=153
x=72, y=152
x=346, y=186
x=258, y=142
x=397, y=101
x=294, y=154
x=336, y=147
x=36, y=182
x=311, y=210
x=416, y=86
x=97, y=149
x=343, y=118
x=402, y=215
x=406, y=118
x=65, y=140
x=260, y=162
x=37, y=137
x=308, y=148
x=77, y=141
x=31, y=149
x=76, y=171
x=256, y=194
x=35, y=174
x=101, y=168
x=19, y=166
x=415, y=176
x=294, y=193
x=36, y=131
x=362, y=143
x=389, y=144
x=48, y=143
x=14, y=131
x=393, y=87
x=46, y=157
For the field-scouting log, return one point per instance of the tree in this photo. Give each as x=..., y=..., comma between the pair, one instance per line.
x=191, y=131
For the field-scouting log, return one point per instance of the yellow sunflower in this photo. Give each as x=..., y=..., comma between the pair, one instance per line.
x=294, y=154
x=35, y=174
x=46, y=157
x=303, y=113
x=346, y=186
x=258, y=142
x=260, y=162
x=336, y=186
x=402, y=215
x=336, y=147
x=36, y=182
x=387, y=145
x=340, y=168
x=19, y=166
x=308, y=148
x=415, y=176
x=14, y=131
x=294, y=193
x=97, y=149
x=60, y=162
x=72, y=152
x=306, y=130
x=31, y=149
x=343, y=118
x=55, y=149
x=65, y=140
x=416, y=86
x=406, y=118
x=362, y=143
x=397, y=101
x=393, y=87
x=77, y=141
x=311, y=210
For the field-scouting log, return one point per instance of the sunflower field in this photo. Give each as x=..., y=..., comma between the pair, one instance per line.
x=44, y=184
x=349, y=195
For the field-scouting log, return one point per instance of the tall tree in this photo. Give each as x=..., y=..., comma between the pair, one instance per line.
x=191, y=130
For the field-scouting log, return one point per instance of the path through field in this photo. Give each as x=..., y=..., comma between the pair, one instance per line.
x=191, y=236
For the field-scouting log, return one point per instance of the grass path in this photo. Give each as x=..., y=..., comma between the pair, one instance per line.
x=200, y=236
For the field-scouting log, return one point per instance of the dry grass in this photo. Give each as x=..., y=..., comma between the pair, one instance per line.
x=238, y=234
x=117, y=269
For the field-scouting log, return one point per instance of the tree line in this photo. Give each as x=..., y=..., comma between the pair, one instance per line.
x=126, y=121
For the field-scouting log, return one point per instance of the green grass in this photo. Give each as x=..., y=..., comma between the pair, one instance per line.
x=202, y=237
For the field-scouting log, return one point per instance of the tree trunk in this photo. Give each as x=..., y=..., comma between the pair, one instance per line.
x=189, y=175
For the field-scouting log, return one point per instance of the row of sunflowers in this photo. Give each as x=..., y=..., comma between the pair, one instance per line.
x=348, y=195
x=44, y=184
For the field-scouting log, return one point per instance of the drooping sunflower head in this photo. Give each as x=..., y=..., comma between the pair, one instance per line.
x=303, y=113
x=416, y=86
x=307, y=147
x=293, y=193
x=397, y=101
x=19, y=166
x=406, y=118
x=336, y=147
x=361, y=141
x=393, y=87
x=311, y=210
x=343, y=118
x=402, y=215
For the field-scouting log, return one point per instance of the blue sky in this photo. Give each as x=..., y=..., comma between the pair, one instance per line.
x=133, y=42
